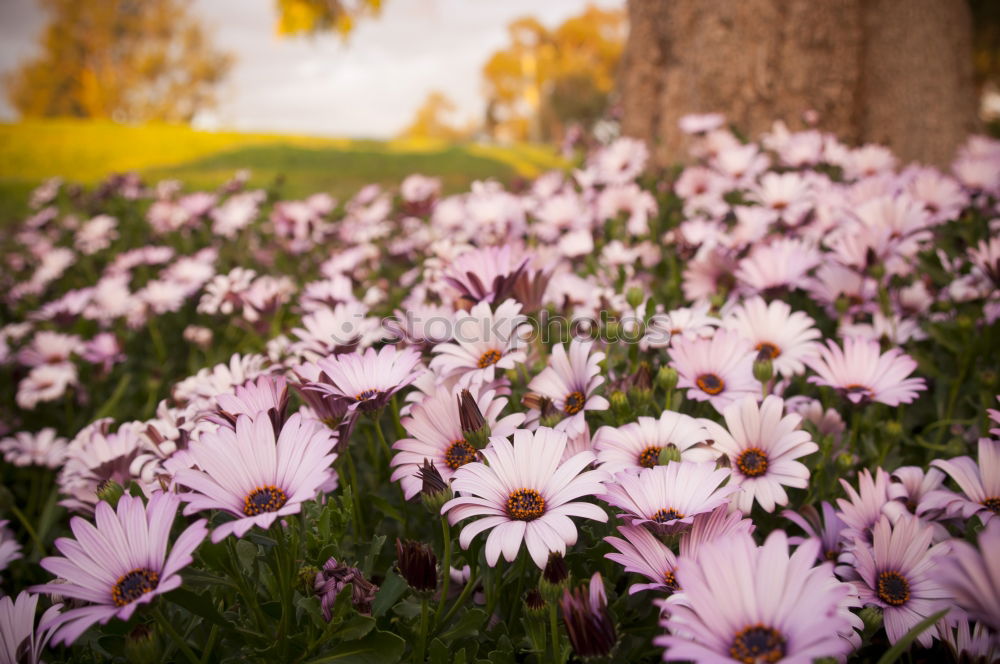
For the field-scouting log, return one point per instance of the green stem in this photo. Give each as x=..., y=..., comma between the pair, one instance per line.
x=355, y=496
x=177, y=638
x=28, y=528
x=418, y=652
x=460, y=600
x=445, y=569
x=554, y=628
x=381, y=439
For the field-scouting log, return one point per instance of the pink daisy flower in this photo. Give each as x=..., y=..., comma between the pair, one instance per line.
x=247, y=473
x=762, y=446
x=783, y=264
x=525, y=493
x=483, y=341
x=776, y=332
x=898, y=573
x=827, y=529
x=756, y=604
x=863, y=508
x=20, y=642
x=638, y=444
x=436, y=429
x=718, y=370
x=44, y=448
x=488, y=274
x=972, y=576
x=980, y=485
x=569, y=382
x=862, y=373
x=10, y=548
x=119, y=564
x=367, y=382
x=643, y=553
x=668, y=497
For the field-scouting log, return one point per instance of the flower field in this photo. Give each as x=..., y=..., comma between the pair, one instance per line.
x=741, y=411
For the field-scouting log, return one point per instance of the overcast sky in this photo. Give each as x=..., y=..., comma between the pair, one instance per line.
x=368, y=86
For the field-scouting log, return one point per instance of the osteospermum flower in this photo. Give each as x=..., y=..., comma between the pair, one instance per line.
x=435, y=425
x=249, y=474
x=827, y=529
x=20, y=642
x=863, y=508
x=739, y=602
x=638, y=444
x=483, y=341
x=367, y=382
x=119, y=564
x=898, y=573
x=643, y=553
x=972, y=576
x=718, y=370
x=776, y=332
x=525, y=493
x=980, y=485
x=862, y=373
x=668, y=497
x=44, y=448
x=569, y=382
x=762, y=445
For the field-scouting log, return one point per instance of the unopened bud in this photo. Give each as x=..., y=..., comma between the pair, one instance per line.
x=555, y=576
x=110, y=491
x=763, y=369
x=534, y=602
x=469, y=414
x=668, y=454
x=666, y=378
x=871, y=616
x=307, y=579
x=434, y=491
x=142, y=645
x=619, y=403
x=634, y=296
x=416, y=563
x=893, y=429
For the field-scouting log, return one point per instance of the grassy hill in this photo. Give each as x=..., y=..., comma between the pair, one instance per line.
x=86, y=152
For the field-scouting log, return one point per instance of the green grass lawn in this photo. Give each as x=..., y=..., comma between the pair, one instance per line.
x=86, y=152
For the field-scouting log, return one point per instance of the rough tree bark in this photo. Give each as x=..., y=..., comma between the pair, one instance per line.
x=893, y=71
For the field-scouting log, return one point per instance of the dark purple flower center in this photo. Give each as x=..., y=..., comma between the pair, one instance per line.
x=134, y=585
x=650, y=456
x=893, y=588
x=757, y=644
x=489, y=358
x=664, y=515
x=574, y=402
x=367, y=394
x=752, y=462
x=767, y=351
x=992, y=504
x=525, y=504
x=710, y=383
x=459, y=453
x=264, y=499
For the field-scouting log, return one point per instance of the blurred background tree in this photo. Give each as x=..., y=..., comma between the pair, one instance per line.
x=898, y=72
x=297, y=17
x=435, y=119
x=128, y=60
x=546, y=79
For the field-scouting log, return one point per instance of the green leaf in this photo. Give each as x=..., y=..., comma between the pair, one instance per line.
x=392, y=589
x=199, y=606
x=374, y=549
x=467, y=625
x=246, y=551
x=377, y=648
x=357, y=626
x=901, y=646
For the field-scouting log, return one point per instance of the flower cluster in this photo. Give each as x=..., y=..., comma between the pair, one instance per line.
x=748, y=403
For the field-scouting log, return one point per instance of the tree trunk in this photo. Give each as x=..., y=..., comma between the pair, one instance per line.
x=892, y=71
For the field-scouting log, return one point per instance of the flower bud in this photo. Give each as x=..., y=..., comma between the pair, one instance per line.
x=871, y=616
x=142, y=645
x=634, y=296
x=763, y=369
x=110, y=491
x=416, y=563
x=589, y=625
x=666, y=378
x=434, y=491
x=555, y=576
x=669, y=453
x=619, y=403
